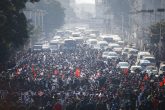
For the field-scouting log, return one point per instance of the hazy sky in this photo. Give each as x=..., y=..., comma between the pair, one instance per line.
x=85, y=1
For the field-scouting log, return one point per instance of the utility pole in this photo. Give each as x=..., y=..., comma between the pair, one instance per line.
x=122, y=24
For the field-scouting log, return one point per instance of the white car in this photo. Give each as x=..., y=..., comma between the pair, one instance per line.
x=151, y=59
x=162, y=68
x=123, y=65
x=112, y=55
x=102, y=44
x=91, y=42
x=144, y=64
x=151, y=70
x=105, y=54
x=132, y=52
x=134, y=68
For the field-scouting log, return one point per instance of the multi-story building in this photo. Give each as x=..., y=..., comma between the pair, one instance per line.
x=144, y=14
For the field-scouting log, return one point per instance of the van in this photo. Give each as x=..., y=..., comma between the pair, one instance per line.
x=141, y=54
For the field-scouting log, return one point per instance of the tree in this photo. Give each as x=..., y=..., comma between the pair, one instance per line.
x=158, y=37
x=13, y=27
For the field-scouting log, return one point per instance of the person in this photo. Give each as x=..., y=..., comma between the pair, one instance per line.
x=57, y=106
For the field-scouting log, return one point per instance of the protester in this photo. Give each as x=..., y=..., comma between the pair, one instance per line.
x=77, y=80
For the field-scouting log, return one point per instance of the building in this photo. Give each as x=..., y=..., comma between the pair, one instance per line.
x=144, y=14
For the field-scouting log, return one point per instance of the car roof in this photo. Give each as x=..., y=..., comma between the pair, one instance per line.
x=136, y=66
x=123, y=62
x=145, y=61
x=162, y=65
x=143, y=53
x=149, y=57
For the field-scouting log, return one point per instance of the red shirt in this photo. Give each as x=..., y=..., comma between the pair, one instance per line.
x=57, y=106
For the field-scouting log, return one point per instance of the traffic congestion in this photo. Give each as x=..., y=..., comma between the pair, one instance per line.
x=82, y=69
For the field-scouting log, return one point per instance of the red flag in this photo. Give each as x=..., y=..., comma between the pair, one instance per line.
x=33, y=71
x=164, y=80
x=77, y=73
x=161, y=84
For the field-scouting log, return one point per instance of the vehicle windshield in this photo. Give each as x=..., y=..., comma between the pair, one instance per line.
x=123, y=64
x=133, y=52
x=105, y=53
x=134, y=68
x=103, y=44
x=93, y=42
x=151, y=68
x=112, y=54
x=163, y=68
x=152, y=60
x=126, y=50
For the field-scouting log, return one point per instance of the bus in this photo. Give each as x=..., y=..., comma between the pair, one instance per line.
x=69, y=44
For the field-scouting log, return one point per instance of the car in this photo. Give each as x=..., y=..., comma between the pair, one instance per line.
x=105, y=54
x=92, y=42
x=117, y=50
x=107, y=38
x=142, y=54
x=123, y=65
x=102, y=44
x=144, y=64
x=125, y=52
x=54, y=45
x=132, y=52
x=46, y=47
x=135, y=68
x=113, y=45
x=37, y=47
x=162, y=68
x=151, y=70
x=151, y=59
x=112, y=55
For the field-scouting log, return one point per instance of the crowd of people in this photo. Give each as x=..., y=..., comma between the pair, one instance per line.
x=77, y=80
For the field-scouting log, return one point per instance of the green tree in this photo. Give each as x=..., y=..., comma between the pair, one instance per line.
x=13, y=27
